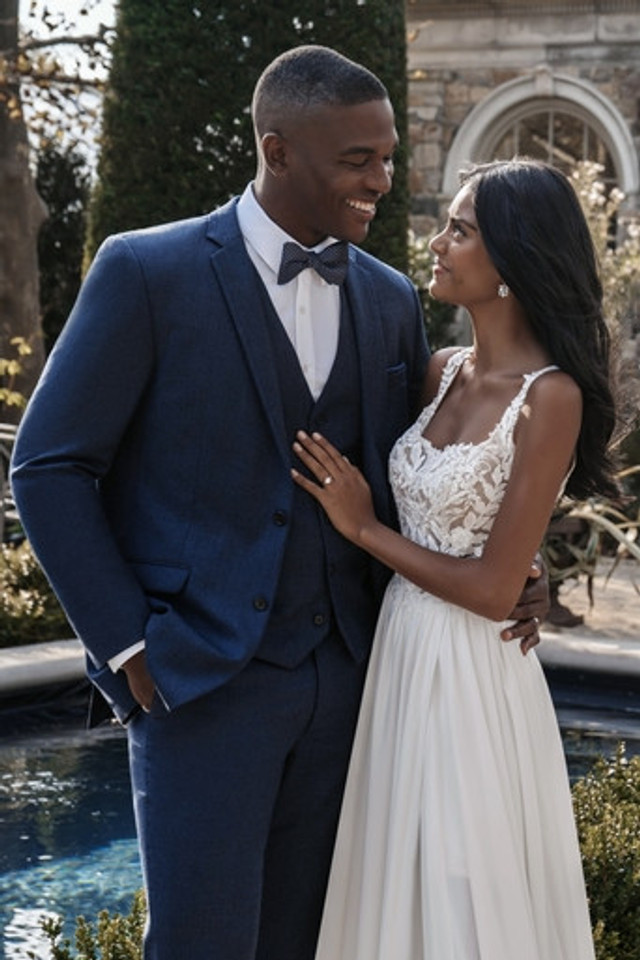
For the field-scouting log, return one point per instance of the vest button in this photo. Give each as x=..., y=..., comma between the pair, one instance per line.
x=280, y=518
x=260, y=604
x=318, y=619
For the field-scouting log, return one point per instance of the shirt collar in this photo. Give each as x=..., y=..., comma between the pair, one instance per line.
x=262, y=233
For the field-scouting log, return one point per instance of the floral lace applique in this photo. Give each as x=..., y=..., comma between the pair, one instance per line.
x=447, y=498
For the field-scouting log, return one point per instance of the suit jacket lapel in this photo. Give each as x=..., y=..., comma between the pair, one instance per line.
x=239, y=283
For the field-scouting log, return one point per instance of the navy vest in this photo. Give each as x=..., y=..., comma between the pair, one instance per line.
x=325, y=582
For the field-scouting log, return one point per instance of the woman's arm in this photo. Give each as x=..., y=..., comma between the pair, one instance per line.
x=490, y=585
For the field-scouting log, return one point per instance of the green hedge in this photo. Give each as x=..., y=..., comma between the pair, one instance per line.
x=607, y=810
x=177, y=138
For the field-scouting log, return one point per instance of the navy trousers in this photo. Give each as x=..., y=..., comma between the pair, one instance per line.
x=237, y=797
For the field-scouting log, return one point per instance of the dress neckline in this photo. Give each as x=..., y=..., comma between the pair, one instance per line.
x=450, y=370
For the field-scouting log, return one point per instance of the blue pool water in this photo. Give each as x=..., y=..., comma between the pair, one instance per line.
x=67, y=838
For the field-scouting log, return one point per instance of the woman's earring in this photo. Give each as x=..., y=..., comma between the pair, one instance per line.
x=503, y=290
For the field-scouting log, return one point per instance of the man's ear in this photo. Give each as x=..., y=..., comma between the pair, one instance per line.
x=274, y=152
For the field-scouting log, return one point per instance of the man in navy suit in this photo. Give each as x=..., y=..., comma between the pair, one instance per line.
x=225, y=621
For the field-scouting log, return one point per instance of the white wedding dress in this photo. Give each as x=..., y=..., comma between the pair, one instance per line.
x=456, y=837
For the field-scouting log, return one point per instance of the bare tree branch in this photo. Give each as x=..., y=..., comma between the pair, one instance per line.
x=87, y=39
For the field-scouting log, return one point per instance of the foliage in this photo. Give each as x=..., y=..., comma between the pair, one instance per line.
x=43, y=96
x=617, y=242
x=10, y=370
x=113, y=937
x=55, y=73
x=607, y=811
x=62, y=180
x=177, y=135
x=29, y=611
x=581, y=531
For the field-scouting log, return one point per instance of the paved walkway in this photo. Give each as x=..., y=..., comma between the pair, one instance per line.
x=608, y=641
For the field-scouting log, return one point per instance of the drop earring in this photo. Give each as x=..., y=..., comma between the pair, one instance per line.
x=503, y=290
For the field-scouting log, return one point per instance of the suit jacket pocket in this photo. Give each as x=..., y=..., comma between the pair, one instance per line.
x=160, y=578
x=397, y=376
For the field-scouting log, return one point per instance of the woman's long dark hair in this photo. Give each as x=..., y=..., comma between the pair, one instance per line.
x=538, y=239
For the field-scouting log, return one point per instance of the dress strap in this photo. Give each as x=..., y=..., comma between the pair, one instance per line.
x=449, y=371
x=513, y=410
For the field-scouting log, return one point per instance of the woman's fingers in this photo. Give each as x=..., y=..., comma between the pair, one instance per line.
x=320, y=456
x=312, y=460
x=306, y=484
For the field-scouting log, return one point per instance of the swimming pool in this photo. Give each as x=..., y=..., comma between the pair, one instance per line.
x=67, y=836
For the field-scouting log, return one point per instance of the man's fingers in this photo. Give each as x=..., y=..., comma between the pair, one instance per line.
x=526, y=631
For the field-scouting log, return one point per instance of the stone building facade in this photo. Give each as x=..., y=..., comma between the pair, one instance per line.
x=556, y=80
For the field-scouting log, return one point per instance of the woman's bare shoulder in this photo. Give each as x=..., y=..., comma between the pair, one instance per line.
x=555, y=387
x=553, y=405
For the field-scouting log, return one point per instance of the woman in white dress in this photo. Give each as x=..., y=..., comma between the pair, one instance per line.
x=456, y=838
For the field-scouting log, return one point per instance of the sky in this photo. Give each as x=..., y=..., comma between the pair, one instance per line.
x=31, y=12
x=67, y=18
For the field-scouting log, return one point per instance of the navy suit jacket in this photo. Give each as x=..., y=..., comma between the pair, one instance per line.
x=151, y=468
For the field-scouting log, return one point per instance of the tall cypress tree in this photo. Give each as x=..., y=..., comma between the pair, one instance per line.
x=177, y=137
x=62, y=179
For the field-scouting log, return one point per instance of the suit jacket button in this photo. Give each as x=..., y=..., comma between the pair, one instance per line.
x=280, y=518
x=318, y=619
x=260, y=604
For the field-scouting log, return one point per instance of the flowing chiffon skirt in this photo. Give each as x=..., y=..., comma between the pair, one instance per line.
x=456, y=839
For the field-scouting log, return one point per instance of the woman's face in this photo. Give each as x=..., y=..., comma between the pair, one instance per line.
x=463, y=274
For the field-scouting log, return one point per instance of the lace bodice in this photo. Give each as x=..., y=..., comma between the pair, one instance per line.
x=447, y=498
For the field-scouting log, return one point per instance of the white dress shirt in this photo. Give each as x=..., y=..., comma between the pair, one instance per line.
x=308, y=308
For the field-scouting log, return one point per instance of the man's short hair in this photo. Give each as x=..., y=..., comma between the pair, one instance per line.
x=311, y=76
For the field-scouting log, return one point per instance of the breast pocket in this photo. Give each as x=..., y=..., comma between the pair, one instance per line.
x=397, y=377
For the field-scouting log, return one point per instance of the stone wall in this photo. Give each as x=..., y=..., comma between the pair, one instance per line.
x=455, y=62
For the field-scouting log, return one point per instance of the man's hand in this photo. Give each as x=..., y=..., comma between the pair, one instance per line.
x=140, y=682
x=531, y=609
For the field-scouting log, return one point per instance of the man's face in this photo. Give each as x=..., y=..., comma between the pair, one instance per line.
x=338, y=163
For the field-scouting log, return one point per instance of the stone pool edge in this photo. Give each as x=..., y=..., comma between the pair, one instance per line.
x=37, y=665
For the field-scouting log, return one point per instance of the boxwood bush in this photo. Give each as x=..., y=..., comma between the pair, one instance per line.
x=111, y=937
x=29, y=610
x=607, y=810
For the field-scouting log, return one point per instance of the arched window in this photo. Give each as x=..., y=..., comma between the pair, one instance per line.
x=560, y=135
x=552, y=117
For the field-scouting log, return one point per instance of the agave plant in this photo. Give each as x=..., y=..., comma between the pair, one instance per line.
x=581, y=532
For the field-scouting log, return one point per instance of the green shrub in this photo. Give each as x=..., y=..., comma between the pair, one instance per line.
x=114, y=937
x=177, y=138
x=29, y=611
x=607, y=810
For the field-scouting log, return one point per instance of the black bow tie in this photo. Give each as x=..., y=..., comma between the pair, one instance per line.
x=331, y=263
